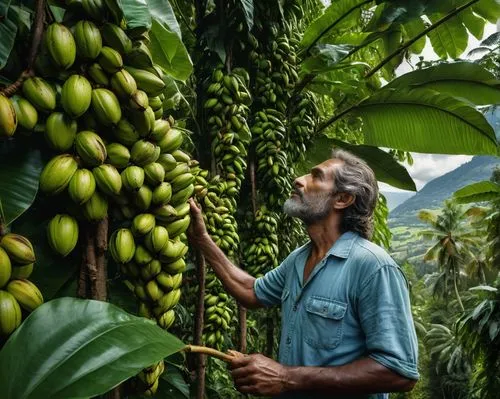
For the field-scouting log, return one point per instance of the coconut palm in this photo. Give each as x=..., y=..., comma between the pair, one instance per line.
x=453, y=237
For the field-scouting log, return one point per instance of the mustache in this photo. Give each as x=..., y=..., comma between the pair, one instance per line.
x=298, y=192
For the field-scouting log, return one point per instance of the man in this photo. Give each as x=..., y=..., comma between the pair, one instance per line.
x=347, y=329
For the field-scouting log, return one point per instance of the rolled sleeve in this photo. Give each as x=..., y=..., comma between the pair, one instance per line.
x=269, y=287
x=385, y=314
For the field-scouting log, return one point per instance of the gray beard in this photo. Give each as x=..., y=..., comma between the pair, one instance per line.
x=310, y=210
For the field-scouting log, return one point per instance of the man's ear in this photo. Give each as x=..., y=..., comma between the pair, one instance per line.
x=343, y=200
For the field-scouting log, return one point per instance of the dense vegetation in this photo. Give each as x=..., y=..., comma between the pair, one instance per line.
x=114, y=113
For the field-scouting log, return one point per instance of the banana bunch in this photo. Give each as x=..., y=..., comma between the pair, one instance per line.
x=227, y=110
x=218, y=313
x=18, y=295
x=273, y=166
x=260, y=248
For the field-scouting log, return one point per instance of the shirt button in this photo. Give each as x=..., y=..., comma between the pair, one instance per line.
x=288, y=341
x=294, y=308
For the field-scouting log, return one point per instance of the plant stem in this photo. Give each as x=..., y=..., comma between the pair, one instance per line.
x=101, y=245
x=334, y=118
x=200, y=312
x=208, y=351
x=420, y=35
x=36, y=38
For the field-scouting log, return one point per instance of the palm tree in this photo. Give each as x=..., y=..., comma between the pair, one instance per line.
x=453, y=238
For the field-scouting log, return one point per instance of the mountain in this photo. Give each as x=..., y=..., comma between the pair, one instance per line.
x=432, y=195
x=395, y=198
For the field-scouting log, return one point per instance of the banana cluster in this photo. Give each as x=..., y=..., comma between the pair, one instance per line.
x=18, y=295
x=260, y=249
x=227, y=110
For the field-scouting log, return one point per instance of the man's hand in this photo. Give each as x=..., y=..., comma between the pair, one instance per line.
x=258, y=375
x=197, y=231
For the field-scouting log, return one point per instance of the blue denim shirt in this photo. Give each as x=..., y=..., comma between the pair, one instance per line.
x=355, y=304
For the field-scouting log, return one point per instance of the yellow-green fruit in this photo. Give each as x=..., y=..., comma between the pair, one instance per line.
x=158, y=113
x=90, y=148
x=182, y=195
x=178, y=227
x=143, y=121
x=60, y=131
x=144, y=152
x=142, y=256
x=18, y=248
x=81, y=186
x=166, y=281
x=40, y=94
x=122, y=246
x=98, y=74
x=10, y=314
x=88, y=40
x=171, y=141
x=62, y=233
x=143, y=224
x=174, y=250
x=154, y=173
x=116, y=38
x=139, y=101
x=5, y=267
x=155, y=102
x=177, y=280
x=151, y=270
x=76, y=95
x=95, y=9
x=125, y=133
x=27, y=115
x=167, y=161
x=60, y=45
x=156, y=239
x=139, y=56
x=162, y=194
x=147, y=81
x=8, y=118
x=181, y=156
x=182, y=181
x=96, y=208
x=26, y=293
x=166, y=320
x=142, y=198
x=57, y=174
x=160, y=129
x=177, y=266
x=153, y=291
x=118, y=155
x=132, y=178
x=123, y=84
x=106, y=107
x=110, y=60
x=165, y=213
x=108, y=179
x=19, y=272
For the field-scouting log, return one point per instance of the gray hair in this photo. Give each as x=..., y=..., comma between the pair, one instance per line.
x=355, y=177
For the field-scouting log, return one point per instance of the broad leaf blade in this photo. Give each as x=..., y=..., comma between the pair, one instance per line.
x=85, y=349
x=385, y=167
x=325, y=57
x=20, y=169
x=136, y=13
x=477, y=192
x=162, y=11
x=247, y=7
x=425, y=121
x=8, y=32
x=448, y=39
x=169, y=52
x=341, y=14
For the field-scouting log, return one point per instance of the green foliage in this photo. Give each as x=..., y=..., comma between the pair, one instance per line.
x=86, y=348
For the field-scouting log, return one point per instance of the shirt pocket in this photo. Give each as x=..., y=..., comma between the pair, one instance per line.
x=324, y=319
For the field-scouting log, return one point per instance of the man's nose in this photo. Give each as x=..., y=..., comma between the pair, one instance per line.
x=299, y=182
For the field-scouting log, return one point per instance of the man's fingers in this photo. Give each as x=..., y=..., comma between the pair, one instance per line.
x=195, y=209
x=238, y=362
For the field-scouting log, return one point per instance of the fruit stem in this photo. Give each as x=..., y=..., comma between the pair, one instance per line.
x=36, y=38
x=209, y=351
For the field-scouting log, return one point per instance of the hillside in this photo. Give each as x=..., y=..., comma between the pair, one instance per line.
x=403, y=221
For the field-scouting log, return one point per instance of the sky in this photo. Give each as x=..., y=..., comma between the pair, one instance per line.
x=427, y=167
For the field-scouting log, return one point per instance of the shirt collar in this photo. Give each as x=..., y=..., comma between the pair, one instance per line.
x=343, y=245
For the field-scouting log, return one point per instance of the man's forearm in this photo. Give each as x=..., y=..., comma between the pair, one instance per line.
x=360, y=377
x=236, y=282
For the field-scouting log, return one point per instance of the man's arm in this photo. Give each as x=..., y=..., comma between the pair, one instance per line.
x=237, y=282
x=257, y=374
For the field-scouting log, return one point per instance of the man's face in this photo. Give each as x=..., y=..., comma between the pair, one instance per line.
x=313, y=195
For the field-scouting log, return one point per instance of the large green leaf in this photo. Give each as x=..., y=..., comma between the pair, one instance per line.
x=136, y=13
x=20, y=169
x=169, y=52
x=162, y=11
x=448, y=39
x=325, y=57
x=477, y=192
x=385, y=167
x=488, y=9
x=339, y=15
x=247, y=7
x=8, y=32
x=461, y=79
x=412, y=29
x=422, y=120
x=473, y=23
x=74, y=348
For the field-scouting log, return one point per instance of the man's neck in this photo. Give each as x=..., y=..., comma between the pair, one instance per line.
x=323, y=235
